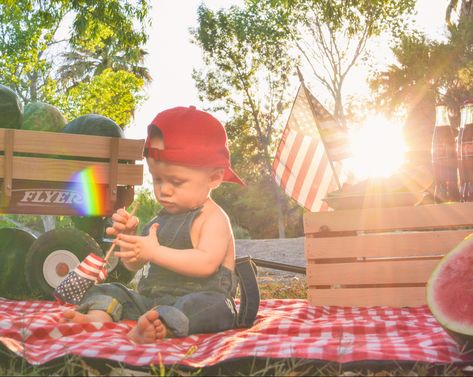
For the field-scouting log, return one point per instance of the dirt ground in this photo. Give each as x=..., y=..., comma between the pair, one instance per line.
x=285, y=250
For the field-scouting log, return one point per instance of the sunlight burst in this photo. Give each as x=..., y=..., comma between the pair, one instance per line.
x=378, y=149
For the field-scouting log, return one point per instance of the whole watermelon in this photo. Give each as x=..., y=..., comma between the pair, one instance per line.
x=94, y=124
x=450, y=293
x=40, y=116
x=11, y=108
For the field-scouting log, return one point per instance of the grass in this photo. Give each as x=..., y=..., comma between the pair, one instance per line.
x=12, y=365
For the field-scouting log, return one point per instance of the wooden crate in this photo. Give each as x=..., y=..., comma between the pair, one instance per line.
x=379, y=256
x=37, y=168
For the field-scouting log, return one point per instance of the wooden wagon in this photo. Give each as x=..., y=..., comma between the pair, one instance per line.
x=42, y=173
x=380, y=256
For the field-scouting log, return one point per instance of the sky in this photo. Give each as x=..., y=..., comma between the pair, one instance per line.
x=172, y=56
x=171, y=59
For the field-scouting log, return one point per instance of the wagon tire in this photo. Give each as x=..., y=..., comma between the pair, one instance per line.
x=14, y=244
x=53, y=255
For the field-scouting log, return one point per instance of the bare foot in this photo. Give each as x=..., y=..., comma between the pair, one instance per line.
x=148, y=329
x=92, y=316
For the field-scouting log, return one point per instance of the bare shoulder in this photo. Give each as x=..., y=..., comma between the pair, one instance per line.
x=213, y=214
x=212, y=219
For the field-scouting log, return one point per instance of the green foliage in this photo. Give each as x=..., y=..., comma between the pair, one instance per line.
x=148, y=207
x=255, y=209
x=109, y=34
x=427, y=72
x=240, y=233
x=350, y=17
x=111, y=94
x=247, y=75
x=332, y=36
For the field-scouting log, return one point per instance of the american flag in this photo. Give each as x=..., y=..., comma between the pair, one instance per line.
x=301, y=166
x=74, y=286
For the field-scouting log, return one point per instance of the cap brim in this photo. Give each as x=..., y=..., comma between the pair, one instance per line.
x=230, y=176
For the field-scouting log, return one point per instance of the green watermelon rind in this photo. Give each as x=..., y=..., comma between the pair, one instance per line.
x=12, y=109
x=460, y=329
x=41, y=116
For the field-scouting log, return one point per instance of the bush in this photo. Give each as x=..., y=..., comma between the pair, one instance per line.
x=240, y=233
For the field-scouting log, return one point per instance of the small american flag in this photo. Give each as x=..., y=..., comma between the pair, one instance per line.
x=301, y=166
x=87, y=273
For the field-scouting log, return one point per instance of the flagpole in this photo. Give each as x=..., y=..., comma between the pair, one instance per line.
x=307, y=95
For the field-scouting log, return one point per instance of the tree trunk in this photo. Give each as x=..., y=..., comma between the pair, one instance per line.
x=281, y=223
x=466, y=8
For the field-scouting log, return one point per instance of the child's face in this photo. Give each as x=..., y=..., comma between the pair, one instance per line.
x=180, y=188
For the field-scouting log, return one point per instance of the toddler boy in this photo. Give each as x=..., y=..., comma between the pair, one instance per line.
x=190, y=284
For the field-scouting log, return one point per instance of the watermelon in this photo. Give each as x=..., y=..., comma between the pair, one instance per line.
x=94, y=124
x=40, y=116
x=11, y=108
x=450, y=293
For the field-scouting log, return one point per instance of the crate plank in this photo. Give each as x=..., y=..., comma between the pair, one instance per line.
x=434, y=216
x=90, y=146
x=394, y=244
x=390, y=296
x=371, y=272
x=55, y=170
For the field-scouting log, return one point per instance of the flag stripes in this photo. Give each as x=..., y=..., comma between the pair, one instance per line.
x=301, y=166
x=333, y=134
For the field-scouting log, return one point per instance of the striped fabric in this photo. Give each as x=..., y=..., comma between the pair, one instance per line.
x=301, y=165
x=77, y=282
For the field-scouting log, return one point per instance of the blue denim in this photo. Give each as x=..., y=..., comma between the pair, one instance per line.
x=187, y=305
x=198, y=312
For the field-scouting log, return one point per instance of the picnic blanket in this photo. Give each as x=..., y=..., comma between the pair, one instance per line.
x=284, y=329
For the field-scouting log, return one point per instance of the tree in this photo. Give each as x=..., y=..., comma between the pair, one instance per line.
x=31, y=40
x=466, y=10
x=332, y=35
x=427, y=72
x=148, y=207
x=246, y=75
x=32, y=45
x=114, y=94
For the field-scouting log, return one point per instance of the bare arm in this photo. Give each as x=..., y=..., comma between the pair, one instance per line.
x=201, y=261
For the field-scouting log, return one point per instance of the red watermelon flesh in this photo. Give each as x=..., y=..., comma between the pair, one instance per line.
x=450, y=292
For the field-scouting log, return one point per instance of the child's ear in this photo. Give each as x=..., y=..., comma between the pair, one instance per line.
x=216, y=177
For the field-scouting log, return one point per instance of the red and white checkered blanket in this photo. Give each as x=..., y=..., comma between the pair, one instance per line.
x=284, y=329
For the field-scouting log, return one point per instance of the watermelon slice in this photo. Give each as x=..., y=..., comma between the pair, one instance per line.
x=450, y=293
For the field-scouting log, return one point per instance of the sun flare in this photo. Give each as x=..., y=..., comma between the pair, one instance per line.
x=377, y=148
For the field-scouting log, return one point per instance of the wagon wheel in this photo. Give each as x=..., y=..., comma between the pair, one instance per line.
x=14, y=244
x=53, y=255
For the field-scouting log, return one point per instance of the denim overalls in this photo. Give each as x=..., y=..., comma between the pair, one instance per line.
x=187, y=305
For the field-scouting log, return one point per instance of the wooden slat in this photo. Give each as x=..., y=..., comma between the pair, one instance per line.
x=392, y=296
x=44, y=169
x=394, y=244
x=40, y=142
x=434, y=216
x=113, y=172
x=8, y=164
x=371, y=272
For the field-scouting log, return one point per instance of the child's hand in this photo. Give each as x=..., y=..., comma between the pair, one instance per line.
x=123, y=222
x=137, y=249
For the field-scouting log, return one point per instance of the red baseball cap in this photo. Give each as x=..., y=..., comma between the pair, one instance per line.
x=191, y=138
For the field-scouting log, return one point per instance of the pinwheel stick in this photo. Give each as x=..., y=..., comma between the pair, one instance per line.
x=112, y=248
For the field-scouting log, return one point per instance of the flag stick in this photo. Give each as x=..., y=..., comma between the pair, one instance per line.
x=110, y=250
x=314, y=114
